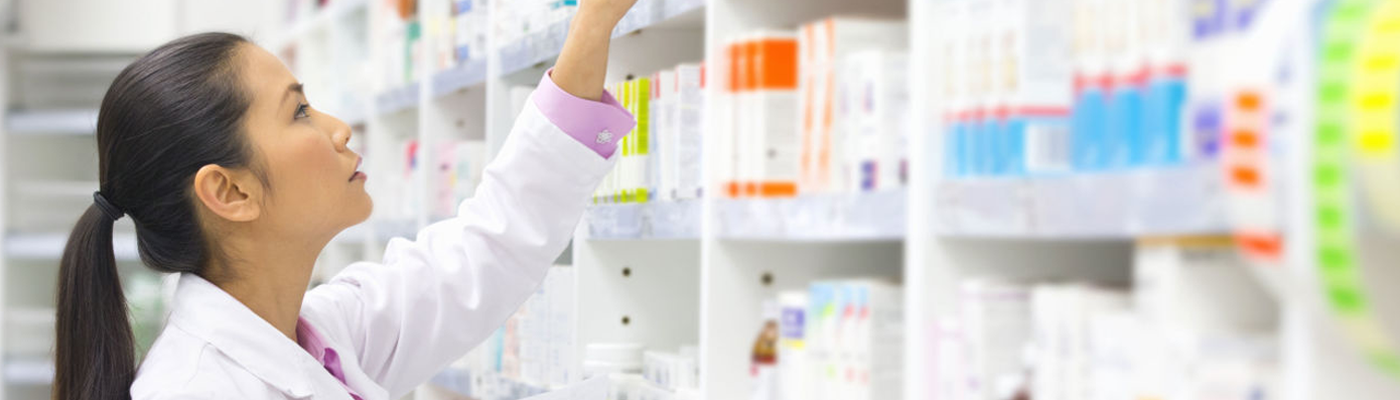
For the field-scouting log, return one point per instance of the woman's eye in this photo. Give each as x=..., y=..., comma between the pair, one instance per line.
x=301, y=111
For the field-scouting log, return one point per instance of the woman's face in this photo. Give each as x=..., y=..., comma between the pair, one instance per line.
x=314, y=187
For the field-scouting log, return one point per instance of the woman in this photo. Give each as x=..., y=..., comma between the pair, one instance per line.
x=236, y=183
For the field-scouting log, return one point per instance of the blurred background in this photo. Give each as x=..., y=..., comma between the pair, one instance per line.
x=827, y=199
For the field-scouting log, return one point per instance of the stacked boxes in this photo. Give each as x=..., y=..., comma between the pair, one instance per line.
x=677, y=114
x=848, y=343
x=871, y=85
x=1195, y=325
x=822, y=110
x=660, y=158
x=535, y=347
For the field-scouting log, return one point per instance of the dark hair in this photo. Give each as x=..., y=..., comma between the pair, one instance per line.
x=166, y=115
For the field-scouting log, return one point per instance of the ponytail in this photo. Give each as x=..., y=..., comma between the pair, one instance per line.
x=95, y=357
x=171, y=112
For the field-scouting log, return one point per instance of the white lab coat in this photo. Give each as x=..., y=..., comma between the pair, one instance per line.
x=398, y=322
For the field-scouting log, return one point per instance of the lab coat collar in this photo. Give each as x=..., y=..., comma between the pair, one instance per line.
x=206, y=311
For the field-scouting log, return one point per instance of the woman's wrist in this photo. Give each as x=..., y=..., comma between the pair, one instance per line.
x=583, y=62
x=589, y=25
x=593, y=18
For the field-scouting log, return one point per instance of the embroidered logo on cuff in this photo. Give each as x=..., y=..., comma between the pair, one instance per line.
x=604, y=137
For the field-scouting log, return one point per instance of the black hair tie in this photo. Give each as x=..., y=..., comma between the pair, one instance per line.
x=108, y=209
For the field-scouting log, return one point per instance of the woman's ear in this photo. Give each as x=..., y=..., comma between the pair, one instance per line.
x=230, y=194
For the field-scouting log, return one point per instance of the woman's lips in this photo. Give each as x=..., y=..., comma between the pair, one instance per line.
x=358, y=174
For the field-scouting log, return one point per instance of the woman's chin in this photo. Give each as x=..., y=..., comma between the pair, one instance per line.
x=365, y=211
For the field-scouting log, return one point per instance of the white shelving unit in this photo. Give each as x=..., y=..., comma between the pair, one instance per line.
x=695, y=272
x=53, y=73
x=57, y=122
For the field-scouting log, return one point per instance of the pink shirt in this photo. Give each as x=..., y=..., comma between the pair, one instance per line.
x=311, y=340
x=598, y=125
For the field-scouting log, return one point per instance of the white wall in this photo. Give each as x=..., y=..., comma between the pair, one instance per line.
x=100, y=26
x=134, y=26
x=257, y=19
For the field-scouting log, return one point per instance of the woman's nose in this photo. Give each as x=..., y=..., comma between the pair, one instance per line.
x=340, y=134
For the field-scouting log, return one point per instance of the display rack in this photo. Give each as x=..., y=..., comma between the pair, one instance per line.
x=696, y=272
x=47, y=177
x=57, y=122
x=1181, y=200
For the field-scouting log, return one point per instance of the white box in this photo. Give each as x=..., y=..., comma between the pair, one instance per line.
x=689, y=120
x=874, y=117
x=824, y=44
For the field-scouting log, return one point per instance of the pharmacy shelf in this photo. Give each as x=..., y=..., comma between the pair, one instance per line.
x=317, y=20
x=49, y=247
x=708, y=290
x=874, y=216
x=29, y=371
x=665, y=13
x=544, y=45
x=463, y=382
x=398, y=99
x=457, y=380
x=471, y=73
x=653, y=220
x=354, y=116
x=1153, y=202
x=52, y=122
x=531, y=50
x=535, y=48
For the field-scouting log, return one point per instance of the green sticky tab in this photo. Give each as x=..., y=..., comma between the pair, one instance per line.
x=1330, y=133
x=1334, y=258
x=1330, y=217
x=1326, y=175
x=1348, y=12
x=643, y=195
x=644, y=116
x=1338, y=51
x=1346, y=300
x=1332, y=91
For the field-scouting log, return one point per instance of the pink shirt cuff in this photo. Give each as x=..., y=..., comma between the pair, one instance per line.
x=599, y=125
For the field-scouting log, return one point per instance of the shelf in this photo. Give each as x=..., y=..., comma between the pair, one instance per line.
x=874, y=216
x=1164, y=201
x=537, y=47
x=354, y=116
x=654, y=220
x=52, y=122
x=396, y=100
x=49, y=247
x=671, y=11
x=463, y=382
x=468, y=74
x=542, y=46
x=20, y=371
x=319, y=19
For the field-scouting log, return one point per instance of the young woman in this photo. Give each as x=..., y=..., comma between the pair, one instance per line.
x=236, y=183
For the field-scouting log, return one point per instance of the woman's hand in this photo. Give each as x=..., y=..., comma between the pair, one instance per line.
x=583, y=63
